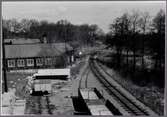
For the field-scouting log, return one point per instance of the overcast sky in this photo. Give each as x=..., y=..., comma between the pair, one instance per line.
x=100, y=13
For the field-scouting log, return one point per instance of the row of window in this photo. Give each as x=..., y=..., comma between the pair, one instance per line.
x=30, y=62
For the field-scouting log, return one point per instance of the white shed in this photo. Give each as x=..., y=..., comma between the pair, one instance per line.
x=44, y=77
x=52, y=73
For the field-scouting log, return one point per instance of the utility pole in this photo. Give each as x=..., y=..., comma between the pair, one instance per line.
x=64, y=24
x=4, y=64
x=65, y=38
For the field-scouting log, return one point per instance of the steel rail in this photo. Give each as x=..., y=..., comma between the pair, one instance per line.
x=124, y=101
x=86, y=72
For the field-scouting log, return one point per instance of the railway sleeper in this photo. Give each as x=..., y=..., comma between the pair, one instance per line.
x=124, y=105
x=112, y=90
x=127, y=104
x=146, y=110
x=126, y=99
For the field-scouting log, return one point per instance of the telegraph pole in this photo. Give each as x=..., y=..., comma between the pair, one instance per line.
x=65, y=31
x=65, y=26
x=4, y=64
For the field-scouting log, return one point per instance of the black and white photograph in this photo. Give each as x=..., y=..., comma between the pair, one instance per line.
x=89, y=58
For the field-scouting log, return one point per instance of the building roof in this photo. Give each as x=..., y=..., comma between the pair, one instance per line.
x=22, y=41
x=36, y=50
x=52, y=72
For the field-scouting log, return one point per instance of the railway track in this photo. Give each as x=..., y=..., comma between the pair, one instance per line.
x=124, y=101
x=39, y=105
x=84, y=78
x=43, y=105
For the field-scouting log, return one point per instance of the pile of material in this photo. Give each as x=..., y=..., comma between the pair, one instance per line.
x=11, y=105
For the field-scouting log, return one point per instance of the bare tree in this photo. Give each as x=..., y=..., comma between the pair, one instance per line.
x=144, y=25
x=120, y=31
x=25, y=25
x=159, y=22
x=126, y=29
x=144, y=22
x=159, y=26
x=134, y=28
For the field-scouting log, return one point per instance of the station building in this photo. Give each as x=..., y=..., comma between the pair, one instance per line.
x=39, y=55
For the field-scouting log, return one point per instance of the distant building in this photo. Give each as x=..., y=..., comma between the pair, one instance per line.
x=34, y=56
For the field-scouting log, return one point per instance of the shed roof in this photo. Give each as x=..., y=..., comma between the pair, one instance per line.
x=35, y=50
x=52, y=72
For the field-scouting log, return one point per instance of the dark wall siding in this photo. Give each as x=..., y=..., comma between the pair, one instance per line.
x=55, y=62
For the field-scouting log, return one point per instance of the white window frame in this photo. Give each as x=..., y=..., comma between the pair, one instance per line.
x=72, y=58
x=30, y=62
x=20, y=63
x=54, y=59
x=11, y=63
x=39, y=61
x=48, y=61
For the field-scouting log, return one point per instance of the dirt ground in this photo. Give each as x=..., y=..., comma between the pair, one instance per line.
x=57, y=103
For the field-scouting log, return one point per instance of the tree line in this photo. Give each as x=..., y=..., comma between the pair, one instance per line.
x=61, y=31
x=137, y=35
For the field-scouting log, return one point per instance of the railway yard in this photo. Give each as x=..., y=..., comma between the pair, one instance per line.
x=91, y=90
x=83, y=58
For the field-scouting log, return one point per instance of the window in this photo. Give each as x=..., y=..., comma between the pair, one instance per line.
x=20, y=63
x=72, y=58
x=30, y=62
x=39, y=61
x=54, y=60
x=48, y=61
x=11, y=63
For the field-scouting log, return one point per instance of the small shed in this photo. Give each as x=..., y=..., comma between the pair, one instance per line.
x=44, y=77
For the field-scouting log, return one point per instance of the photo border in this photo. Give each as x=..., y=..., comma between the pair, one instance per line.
x=165, y=91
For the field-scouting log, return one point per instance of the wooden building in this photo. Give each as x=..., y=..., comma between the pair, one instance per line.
x=34, y=56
